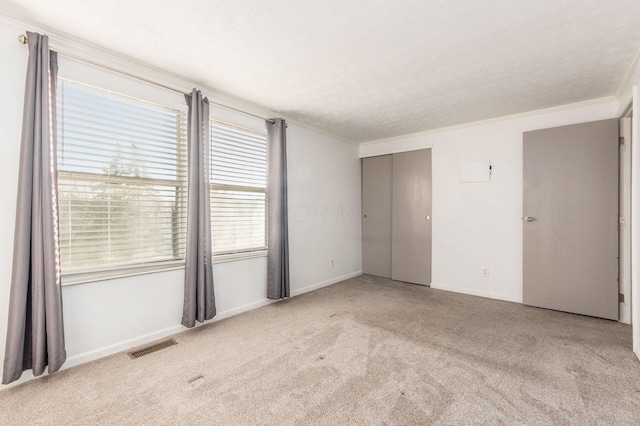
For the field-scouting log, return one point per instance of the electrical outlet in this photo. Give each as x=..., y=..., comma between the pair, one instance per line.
x=484, y=272
x=332, y=263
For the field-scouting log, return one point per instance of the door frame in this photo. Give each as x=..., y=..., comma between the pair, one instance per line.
x=635, y=218
x=624, y=228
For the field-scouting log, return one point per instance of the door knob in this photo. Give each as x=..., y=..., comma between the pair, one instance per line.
x=365, y=216
x=529, y=218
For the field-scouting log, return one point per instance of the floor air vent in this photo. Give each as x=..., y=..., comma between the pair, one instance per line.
x=154, y=347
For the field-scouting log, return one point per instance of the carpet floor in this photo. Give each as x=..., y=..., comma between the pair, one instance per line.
x=363, y=351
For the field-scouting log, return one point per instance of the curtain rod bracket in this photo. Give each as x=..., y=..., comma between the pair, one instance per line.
x=24, y=40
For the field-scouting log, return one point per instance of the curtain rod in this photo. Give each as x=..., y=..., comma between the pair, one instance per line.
x=23, y=39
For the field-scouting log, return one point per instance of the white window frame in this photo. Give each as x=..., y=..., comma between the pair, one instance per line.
x=102, y=79
x=220, y=257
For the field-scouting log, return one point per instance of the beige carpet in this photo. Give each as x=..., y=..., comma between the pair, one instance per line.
x=364, y=351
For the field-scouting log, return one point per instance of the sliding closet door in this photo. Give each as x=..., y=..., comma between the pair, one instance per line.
x=411, y=223
x=376, y=215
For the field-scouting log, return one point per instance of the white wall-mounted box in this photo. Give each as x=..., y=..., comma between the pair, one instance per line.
x=475, y=171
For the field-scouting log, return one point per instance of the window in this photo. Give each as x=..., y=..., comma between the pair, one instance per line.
x=121, y=179
x=238, y=189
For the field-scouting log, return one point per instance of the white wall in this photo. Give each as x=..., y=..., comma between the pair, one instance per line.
x=324, y=208
x=107, y=316
x=479, y=225
x=635, y=212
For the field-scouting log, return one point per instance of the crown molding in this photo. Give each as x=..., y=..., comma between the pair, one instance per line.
x=69, y=44
x=627, y=76
x=590, y=102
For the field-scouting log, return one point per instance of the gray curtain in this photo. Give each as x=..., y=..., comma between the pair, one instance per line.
x=278, y=229
x=35, y=333
x=199, y=298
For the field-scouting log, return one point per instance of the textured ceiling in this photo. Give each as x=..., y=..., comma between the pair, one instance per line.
x=369, y=69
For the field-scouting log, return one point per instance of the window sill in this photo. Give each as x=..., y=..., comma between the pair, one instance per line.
x=85, y=277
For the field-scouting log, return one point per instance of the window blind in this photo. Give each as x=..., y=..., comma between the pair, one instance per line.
x=238, y=189
x=121, y=179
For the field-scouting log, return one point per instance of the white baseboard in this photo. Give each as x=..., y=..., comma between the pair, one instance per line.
x=156, y=335
x=623, y=319
x=474, y=292
x=103, y=352
x=121, y=346
x=240, y=309
x=326, y=283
